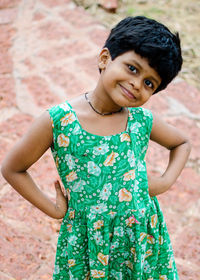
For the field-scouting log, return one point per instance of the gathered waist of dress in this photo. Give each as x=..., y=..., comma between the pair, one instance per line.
x=107, y=212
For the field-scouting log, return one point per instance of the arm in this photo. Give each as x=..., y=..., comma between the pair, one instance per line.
x=27, y=151
x=179, y=147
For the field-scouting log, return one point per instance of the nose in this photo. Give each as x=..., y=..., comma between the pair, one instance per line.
x=136, y=83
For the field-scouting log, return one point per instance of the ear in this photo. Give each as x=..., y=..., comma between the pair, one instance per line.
x=104, y=58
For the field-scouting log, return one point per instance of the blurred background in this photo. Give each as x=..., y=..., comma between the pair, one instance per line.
x=48, y=53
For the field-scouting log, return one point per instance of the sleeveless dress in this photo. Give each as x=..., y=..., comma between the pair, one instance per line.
x=112, y=228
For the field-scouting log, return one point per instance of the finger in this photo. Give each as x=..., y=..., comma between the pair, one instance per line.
x=57, y=184
x=59, y=188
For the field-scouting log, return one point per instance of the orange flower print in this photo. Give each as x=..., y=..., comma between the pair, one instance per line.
x=88, y=276
x=160, y=239
x=112, y=213
x=97, y=273
x=133, y=251
x=129, y=264
x=52, y=124
x=103, y=258
x=68, y=194
x=71, y=176
x=72, y=214
x=57, y=164
x=148, y=253
x=170, y=263
x=124, y=195
x=162, y=277
x=67, y=119
x=131, y=220
x=69, y=227
x=150, y=239
x=98, y=224
x=111, y=159
x=154, y=220
x=142, y=236
x=63, y=140
x=130, y=175
x=125, y=137
x=71, y=262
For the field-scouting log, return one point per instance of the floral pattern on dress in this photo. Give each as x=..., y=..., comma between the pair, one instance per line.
x=112, y=228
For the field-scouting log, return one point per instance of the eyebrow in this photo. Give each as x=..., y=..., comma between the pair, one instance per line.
x=140, y=67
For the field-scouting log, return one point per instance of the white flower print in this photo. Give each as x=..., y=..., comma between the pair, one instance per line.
x=67, y=119
x=91, y=216
x=112, y=214
x=136, y=186
x=105, y=193
x=116, y=275
x=63, y=140
x=98, y=238
x=71, y=276
x=144, y=149
x=64, y=252
x=119, y=231
x=142, y=211
x=147, y=112
x=56, y=269
x=101, y=150
x=111, y=159
x=92, y=262
x=114, y=245
x=93, y=168
x=72, y=240
x=65, y=106
x=76, y=130
x=70, y=161
x=131, y=234
x=131, y=158
x=100, y=208
x=141, y=166
x=135, y=127
x=79, y=186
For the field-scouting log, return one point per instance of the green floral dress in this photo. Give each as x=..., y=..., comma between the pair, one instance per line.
x=112, y=229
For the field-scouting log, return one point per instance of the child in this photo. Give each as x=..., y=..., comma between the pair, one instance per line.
x=112, y=225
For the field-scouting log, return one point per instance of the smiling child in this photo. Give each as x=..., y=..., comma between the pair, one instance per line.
x=112, y=227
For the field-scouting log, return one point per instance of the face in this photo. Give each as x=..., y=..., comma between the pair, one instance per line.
x=128, y=80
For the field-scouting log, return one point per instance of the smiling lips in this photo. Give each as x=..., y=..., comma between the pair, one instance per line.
x=128, y=93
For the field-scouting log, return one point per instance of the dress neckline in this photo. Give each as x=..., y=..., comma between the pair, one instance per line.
x=96, y=135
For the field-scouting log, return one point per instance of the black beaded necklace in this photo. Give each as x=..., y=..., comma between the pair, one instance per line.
x=102, y=114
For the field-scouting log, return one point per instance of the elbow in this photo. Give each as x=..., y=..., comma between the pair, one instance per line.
x=4, y=170
x=189, y=146
x=186, y=144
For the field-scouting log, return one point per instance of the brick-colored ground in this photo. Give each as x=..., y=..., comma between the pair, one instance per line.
x=48, y=52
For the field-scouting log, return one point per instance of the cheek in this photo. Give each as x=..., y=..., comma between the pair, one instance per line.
x=146, y=96
x=112, y=77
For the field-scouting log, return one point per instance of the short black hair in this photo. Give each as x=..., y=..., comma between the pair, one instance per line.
x=149, y=39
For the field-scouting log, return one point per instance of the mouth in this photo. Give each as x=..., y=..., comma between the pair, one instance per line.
x=129, y=94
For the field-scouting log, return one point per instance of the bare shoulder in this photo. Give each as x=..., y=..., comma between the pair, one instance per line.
x=166, y=134
x=40, y=132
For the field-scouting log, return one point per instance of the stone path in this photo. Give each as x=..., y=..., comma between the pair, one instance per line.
x=48, y=52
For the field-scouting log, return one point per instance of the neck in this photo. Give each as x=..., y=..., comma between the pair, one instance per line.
x=103, y=103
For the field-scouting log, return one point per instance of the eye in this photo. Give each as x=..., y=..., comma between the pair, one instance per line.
x=132, y=68
x=149, y=83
